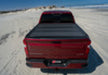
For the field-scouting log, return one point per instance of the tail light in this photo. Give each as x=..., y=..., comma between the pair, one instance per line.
x=87, y=50
x=25, y=43
x=26, y=51
x=88, y=47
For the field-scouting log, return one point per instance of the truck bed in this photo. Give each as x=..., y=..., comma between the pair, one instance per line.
x=57, y=31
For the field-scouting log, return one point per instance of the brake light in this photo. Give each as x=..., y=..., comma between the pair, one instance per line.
x=88, y=47
x=26, y=51
x=87, y=50
x=25, y=43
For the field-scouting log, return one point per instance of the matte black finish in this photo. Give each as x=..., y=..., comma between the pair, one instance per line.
x=57, y=31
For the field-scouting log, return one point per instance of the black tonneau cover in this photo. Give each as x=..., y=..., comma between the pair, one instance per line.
x=57, y=30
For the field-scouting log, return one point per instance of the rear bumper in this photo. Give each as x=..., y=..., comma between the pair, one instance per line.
x=68, y=64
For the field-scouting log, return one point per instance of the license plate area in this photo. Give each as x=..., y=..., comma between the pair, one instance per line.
x=56, y=63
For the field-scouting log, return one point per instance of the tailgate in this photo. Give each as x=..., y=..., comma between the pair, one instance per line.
x=57, y=48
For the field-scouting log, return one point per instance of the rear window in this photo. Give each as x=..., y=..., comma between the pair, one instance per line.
x=57, y=18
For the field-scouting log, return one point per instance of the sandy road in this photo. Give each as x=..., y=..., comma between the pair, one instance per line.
x=14, y=26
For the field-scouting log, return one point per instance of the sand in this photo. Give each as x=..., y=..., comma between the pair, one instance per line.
x=14, y=27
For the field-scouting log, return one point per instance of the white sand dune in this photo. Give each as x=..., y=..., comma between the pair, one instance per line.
x=14, y=26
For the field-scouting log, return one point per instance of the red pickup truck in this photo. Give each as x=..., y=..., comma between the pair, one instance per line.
x=57, y=42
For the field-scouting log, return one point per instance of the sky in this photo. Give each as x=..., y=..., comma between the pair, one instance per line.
x=20, y=4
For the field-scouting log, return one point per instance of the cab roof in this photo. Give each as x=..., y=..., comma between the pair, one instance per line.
x=56, y=11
